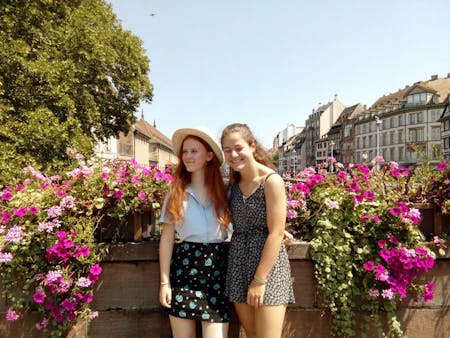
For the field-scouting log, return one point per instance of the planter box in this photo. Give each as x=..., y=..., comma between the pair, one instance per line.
x=128, y=230
x=433, y=222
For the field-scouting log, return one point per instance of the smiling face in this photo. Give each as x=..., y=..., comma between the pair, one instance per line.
x=195, y=155
x=238, y=153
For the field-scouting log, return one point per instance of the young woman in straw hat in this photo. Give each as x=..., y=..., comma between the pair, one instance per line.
x=193, y=271
x=259, y=275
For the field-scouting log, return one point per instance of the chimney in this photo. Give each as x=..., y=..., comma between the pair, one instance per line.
x=434, y=77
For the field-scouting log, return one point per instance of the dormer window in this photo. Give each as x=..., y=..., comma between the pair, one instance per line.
x=418, y=99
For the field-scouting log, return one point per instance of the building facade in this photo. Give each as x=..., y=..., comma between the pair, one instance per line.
x=143, y=142
x=317, y=125
x=404, y=126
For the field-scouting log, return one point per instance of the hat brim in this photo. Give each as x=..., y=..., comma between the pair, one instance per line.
x=180, y=134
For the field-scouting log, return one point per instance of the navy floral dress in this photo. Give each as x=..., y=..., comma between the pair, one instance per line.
x=249, y=236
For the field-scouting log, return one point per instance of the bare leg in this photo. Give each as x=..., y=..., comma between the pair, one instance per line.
x=215, y=330
x=246, y=315
x=182, y=328
x=269, y=321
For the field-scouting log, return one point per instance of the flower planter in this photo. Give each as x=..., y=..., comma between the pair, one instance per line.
x=433, y=222
x=129, y=230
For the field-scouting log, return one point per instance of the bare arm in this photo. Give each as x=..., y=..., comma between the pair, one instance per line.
x=165, y=255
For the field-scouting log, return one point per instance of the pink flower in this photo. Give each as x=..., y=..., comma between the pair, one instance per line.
x=12, y=315
x=14, y=235
x=83, y=282
x=378, y=159
x=95, y=270
x=393, y=239
x=376, y=219
x=368, y=266
x=118, y=194
x=5, y=257
x=104, y=176
x=388, y=293
x=291, y=214
x=20, y=212
x=365, y=218
x=382, y=244
x=442, y=165
x=42, y=324
x=33, y=210
x=6, y=195
x=94, y=314
x=374, y=293
x=39, y=297
x=142, y=196
x=333, y=205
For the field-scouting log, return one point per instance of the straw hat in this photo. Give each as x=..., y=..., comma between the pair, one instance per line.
x=201, y=132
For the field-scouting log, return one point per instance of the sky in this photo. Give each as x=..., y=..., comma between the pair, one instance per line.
x=268, y=63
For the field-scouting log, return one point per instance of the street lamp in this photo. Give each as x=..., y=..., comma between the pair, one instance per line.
x=332, y=153
x=378, y=122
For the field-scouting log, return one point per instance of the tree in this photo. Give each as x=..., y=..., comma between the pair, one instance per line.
x=70, y=75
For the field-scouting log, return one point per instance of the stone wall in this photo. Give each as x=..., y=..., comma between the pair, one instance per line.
x=127, y=300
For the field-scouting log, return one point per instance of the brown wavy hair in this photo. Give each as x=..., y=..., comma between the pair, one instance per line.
x=261, y=155
x=214, y=183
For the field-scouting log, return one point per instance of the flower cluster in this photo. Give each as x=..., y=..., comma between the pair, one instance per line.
x=48, y=225
x=396, y=269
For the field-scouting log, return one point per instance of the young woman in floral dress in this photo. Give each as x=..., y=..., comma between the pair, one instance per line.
x=192, y=272
x=259, y=275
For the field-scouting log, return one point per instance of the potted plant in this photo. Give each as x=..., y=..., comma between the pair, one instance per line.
x=49, y=257
x=364, y=239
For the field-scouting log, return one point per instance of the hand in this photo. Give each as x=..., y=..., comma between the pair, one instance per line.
x=288, y=237
x=255, y=294
x=165, y=295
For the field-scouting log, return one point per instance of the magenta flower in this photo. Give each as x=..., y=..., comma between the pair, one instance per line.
x=393, y=239
x=42, y=324
x=95, y=269
x=376, y=219
x=291, y=214
x=442, y=165
x=368, y=266
x=142, y=196
x=20, y=212
x=6, y=195
x=39, y=297
x=33, y=210
x=118, y=194
x=374, y=293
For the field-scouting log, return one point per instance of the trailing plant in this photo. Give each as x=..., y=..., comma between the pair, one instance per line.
x=49, y=260
x=365, y=243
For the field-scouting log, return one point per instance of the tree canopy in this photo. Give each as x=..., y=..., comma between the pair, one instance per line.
x=69, y=75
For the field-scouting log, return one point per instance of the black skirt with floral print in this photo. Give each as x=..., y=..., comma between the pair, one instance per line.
x=197, y=278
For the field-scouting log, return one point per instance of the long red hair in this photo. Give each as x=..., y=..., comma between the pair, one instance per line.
x=214, y=185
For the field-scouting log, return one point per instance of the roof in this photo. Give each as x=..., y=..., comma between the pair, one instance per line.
x=147, y=129
x=350, y=113
x=440, y=87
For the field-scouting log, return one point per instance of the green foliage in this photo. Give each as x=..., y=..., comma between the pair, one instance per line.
x=70, y=75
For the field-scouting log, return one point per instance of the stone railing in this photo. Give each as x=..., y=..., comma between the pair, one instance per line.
x=127, y=301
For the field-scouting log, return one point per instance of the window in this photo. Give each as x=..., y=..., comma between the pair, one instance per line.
x=394, y=122
x=371, y=141
x=446, y=142
x=412, y=118
x=384, y=139
x=400, y=153
x=400, y=136
x=391, y=137
x=419, y=116
x=447, y=125
x=412, y=135
x=348, y=130
x=401, y=120
x=364, y=142
x=435, y=133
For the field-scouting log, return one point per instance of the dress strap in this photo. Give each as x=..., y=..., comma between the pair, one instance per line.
x=270, y=174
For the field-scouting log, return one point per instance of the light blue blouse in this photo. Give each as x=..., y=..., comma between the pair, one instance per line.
x=199, y=223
